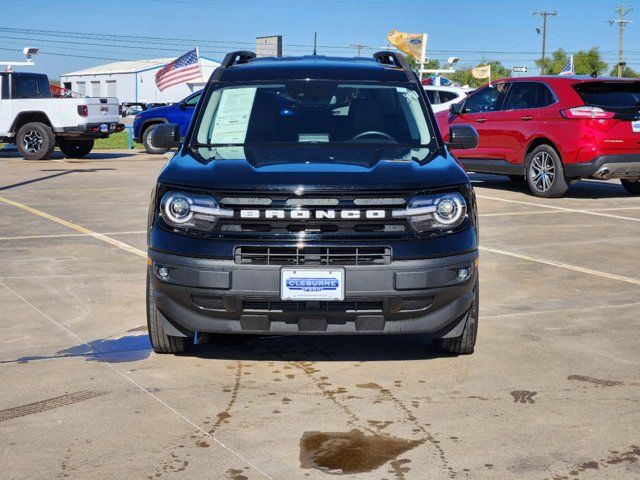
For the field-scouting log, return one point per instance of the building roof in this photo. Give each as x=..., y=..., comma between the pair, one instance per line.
x=129, y=66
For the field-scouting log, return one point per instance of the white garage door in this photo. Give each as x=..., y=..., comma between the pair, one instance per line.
x=81, y=88
x=111, y=88
x=95, y=89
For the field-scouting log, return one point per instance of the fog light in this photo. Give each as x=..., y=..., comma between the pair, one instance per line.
x=463, y=273
x=163, y=272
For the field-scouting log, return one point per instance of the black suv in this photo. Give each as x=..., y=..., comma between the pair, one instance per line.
x=313, y=195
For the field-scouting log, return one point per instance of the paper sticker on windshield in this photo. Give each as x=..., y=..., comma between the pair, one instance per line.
x=232, y=116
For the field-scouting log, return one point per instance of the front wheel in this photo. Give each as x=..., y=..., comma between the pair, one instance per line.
x=160, y=341
x=631, y=186
x=545, y=173
x=76, y=148
x=465, y=343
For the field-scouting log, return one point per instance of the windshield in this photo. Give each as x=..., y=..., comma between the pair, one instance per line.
x=610, y=94
x=314, y=113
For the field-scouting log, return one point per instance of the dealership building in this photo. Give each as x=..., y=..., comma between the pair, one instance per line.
x=133, y=81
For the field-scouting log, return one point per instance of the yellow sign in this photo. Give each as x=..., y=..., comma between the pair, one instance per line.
x=413, y=44
x=481, y=72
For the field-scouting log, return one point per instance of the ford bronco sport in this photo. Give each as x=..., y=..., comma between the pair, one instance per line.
x=312, y=195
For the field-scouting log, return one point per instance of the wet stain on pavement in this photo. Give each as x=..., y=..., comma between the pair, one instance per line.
x=350, y=452
x=235, y=474
x=632, y=455
x=130, y=348
x=523, y=396
x=48, y=404
x=595, y=381
x=225, y=415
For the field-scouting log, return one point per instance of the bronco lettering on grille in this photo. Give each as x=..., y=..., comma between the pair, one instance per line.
x=301, y=214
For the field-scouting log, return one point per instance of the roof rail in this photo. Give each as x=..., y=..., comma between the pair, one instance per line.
x=237, y=58
x=386, y=57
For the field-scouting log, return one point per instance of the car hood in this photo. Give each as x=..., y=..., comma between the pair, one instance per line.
x=293, y=169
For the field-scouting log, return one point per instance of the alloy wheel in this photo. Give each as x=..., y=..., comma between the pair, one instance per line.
x=32, y=141
x=542, y=172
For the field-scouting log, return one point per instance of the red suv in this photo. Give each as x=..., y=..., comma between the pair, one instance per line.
x=553, y=130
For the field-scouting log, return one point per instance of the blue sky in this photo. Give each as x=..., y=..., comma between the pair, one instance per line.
x=471, y=30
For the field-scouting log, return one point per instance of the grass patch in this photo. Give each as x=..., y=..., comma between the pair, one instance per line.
x=118, y=140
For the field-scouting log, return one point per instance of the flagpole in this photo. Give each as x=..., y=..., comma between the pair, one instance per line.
x=199, y=63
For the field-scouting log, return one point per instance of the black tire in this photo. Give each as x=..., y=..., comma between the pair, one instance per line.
x=147, y=145
x=160, y=341
x=631, y=186
x=517, y=178
x=545, y=173
x=76, y=148
x=465, y=343
x=35, y=141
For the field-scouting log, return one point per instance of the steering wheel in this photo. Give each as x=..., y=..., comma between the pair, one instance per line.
x=373, y=132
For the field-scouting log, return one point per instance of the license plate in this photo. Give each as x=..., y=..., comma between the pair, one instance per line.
x=324, y=284
x=635, y=126
x=104, y=128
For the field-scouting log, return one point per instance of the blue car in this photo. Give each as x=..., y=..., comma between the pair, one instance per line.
x=179, y=113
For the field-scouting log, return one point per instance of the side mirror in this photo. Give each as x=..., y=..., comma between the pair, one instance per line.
x=456, y=108
x=182, y=105
x=165, y=135
x=462, y=137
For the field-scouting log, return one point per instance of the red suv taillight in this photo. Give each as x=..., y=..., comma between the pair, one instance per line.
x=83, y=110
x=586, y=112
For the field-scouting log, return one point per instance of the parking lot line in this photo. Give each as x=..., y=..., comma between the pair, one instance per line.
x=59, y=235
x=77, y=228
x=511, y=214
x=133, y=382
x=566, y=266
x=563, y=209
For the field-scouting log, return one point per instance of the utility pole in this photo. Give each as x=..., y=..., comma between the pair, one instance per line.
x=622, y=11
x=545, y=15
x=359, y=47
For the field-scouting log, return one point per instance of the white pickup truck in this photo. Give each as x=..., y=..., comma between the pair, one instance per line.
x=37, y=123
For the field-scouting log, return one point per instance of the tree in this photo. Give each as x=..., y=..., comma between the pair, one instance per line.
x=626, y=72
x=465, y=77
x=429, y=64
x=584, y=62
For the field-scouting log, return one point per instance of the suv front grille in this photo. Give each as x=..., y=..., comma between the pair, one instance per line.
x=260, y=225
x=256, y=306
x=313, y=255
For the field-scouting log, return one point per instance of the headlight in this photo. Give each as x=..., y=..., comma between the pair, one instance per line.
x=435, y=212
x=191, y=211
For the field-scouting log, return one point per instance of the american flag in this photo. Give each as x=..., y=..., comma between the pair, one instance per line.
x=568, y=67
x=182, y=69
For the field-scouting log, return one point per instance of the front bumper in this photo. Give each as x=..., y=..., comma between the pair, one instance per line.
x=605, y=167
x=220, y=296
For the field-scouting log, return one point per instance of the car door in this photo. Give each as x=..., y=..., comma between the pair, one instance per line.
x=479, y=110
x=186, y=112
x=521, y=120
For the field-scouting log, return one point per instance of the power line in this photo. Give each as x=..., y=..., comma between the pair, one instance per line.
x=545, y=15
x=622, y=12
x=359, y=47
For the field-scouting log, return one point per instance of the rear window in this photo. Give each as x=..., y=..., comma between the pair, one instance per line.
x=27, y=85
x=610, y=94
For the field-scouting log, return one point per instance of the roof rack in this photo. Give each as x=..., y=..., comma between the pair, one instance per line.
x=386, y=57
x=237, y=58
